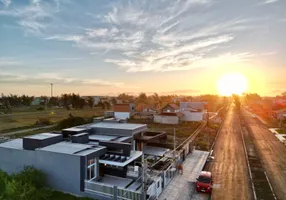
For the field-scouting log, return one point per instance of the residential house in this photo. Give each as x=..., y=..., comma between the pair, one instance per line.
x=170, y=114
x=96, y=160
x=124, y=110
x=193, y=111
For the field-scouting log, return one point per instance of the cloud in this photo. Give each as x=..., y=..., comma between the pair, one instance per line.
x=6, y=3
x=69, y=58
x=269, y=1
x=180, y=92
x=46, y=78
x=7, y=61
x=34, y=17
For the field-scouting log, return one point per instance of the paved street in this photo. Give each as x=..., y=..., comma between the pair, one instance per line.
x=178, y=188
x=229, y=168
x=272, y=153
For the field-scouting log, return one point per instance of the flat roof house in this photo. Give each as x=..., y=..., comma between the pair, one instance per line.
x=97, y=160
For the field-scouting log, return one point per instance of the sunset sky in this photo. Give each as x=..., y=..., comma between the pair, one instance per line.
x=100, y=47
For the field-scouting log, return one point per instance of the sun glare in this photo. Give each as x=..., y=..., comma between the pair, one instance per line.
x=234, y=83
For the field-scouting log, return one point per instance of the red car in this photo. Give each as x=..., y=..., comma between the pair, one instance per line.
x=204, y=182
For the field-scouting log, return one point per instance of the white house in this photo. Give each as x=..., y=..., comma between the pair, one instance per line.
x=193, y=111
x=124, y=110
x=170, y=114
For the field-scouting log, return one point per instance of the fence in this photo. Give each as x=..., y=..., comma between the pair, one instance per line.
x=112, y=192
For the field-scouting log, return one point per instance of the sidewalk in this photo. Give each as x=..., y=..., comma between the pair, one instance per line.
x=178, y=188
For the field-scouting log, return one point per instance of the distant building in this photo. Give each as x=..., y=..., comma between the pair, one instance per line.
x=170, y=114
x=124, y=110
x=36, y=102
x=193, y=111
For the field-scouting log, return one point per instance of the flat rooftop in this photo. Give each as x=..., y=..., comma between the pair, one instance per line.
x=155, y=151
x=72, y=148
x=43, y=136
x=98, y=137
x=121, y=126
x=75, y=129
x=13, y=144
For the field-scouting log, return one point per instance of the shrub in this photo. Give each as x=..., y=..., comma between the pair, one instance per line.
x=31, y=175
x=40, y=108
x=71, y=121
x=43, y=122
x=3, y=179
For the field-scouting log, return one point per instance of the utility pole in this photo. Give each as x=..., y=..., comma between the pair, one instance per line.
x=52, y=89
x=174, y=138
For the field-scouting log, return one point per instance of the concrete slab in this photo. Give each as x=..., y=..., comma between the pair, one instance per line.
x=179, y=188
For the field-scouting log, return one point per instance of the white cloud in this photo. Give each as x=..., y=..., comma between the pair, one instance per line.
x=270, y=1
x=7, y=61
x=69, y=58
x=34, y=17
x=45, y=78
x=6, y=3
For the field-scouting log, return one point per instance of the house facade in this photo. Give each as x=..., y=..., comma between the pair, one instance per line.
x=124, y=110
x=170, y=114
x=193, y=111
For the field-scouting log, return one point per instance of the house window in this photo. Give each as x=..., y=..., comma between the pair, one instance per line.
x=158, y=184
x=91, y=169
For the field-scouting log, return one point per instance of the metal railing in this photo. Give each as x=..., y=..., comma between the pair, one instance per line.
x=112, y=191
x=99, y=188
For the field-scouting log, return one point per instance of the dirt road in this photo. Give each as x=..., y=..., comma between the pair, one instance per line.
x=271, y=151
x=229, y=168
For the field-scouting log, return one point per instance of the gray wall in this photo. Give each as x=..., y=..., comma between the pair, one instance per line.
x=63, y=170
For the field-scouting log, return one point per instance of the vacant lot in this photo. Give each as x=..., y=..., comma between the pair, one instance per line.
x=27, y=119
x=183, y=130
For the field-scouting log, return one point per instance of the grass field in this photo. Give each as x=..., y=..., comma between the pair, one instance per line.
x=28, y=119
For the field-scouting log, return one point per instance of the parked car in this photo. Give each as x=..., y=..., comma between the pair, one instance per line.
x=204, y=182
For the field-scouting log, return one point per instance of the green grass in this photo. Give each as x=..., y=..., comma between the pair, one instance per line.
x=28, y=119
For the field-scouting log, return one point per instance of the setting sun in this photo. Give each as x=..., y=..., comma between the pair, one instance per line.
x=234, y=83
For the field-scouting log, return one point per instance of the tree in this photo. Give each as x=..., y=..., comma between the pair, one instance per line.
x=142, y=99
x=101, y=105
x=126, y=98
x=113, y=101
x=65, y=98
x=236, y=100
x=90, y=101
x=44, y=100
x=107, y=105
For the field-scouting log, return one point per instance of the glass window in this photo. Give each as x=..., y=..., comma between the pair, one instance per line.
x=90, y=162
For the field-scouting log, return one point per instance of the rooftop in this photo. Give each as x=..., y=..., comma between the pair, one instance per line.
x=13, y=144
x=75, y=129
x=121, y=126
x=43, y=136
x=155, y=151
x=102, y=137
x=72, y=148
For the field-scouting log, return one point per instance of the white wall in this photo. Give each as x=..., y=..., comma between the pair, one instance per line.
x=153, y=189
x=193, y=116
x=166, y=119
x=122, y=115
